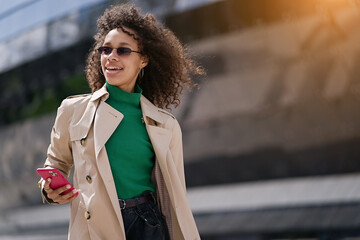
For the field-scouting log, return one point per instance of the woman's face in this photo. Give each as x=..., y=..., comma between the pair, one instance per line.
x=122, y=70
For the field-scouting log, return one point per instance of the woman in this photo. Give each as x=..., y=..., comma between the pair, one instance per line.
x=126, y=151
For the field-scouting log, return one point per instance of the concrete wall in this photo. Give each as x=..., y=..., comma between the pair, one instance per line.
x=296, y=81
x=283, y=96
x=23, y=149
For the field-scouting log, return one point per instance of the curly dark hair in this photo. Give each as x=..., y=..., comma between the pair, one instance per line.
x=169, y=67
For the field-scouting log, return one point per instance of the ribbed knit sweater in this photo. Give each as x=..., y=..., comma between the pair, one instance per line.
x=129, y=149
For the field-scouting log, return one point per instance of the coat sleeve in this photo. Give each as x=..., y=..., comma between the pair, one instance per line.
x=176, y=148
x=59, y=153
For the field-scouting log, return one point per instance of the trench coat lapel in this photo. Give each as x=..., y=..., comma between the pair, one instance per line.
x=106, y=120
x=160, y=137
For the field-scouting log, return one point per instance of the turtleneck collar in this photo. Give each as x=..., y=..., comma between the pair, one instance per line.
x=122, y=97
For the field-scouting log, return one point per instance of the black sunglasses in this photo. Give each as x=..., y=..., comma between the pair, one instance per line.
x=122, y=51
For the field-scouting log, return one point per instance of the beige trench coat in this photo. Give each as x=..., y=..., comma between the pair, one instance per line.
x=83, y=125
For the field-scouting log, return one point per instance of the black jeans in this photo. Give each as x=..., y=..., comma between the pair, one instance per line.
x=144, y=221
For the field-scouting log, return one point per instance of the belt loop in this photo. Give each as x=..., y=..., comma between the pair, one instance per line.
x=124, y=204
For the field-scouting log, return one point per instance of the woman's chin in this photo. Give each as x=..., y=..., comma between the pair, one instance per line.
x=112, y=80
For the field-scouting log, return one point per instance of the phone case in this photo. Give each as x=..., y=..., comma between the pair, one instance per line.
x=57, y=179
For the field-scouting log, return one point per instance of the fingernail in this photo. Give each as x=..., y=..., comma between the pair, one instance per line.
x=74, y=191
x=49, y=180
x=68, y=186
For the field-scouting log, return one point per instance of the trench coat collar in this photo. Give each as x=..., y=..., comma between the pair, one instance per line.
x=148, y=109
x=102, y=93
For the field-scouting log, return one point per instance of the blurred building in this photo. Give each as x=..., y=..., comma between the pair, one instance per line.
x=271, y=137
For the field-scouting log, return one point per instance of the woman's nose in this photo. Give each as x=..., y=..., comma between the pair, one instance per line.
x=113, y=55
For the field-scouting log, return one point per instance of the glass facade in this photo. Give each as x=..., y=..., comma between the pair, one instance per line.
x=22, y=15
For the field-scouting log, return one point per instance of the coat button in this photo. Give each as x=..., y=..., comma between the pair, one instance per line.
x=83, y=142
x=88, y=179
x=87, y=215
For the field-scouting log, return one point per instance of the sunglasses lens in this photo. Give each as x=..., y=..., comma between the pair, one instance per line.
x=123, y=51
x=105, y=50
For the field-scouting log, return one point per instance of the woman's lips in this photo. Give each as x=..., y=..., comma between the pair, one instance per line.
x=113, y=69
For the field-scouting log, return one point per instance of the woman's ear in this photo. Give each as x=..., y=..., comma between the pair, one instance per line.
x=144, y=61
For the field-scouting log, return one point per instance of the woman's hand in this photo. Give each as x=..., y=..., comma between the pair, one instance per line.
x=55, y=194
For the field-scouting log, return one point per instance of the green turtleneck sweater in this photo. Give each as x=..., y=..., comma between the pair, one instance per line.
x=129, y=149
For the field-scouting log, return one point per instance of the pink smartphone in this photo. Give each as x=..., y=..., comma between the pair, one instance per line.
x=57, y=179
